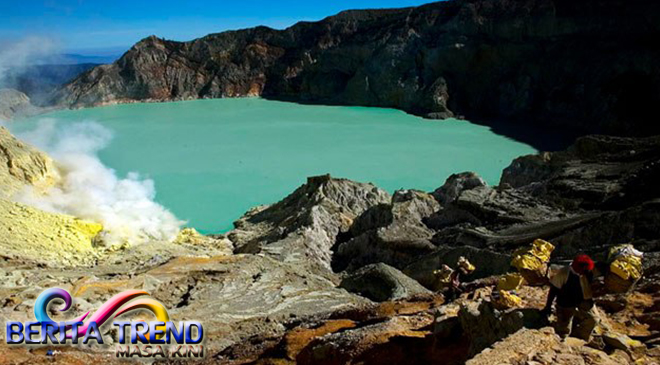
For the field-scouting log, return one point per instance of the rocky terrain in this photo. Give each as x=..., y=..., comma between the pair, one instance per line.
x=14, y=103
x=588, y=65
x=342, y=272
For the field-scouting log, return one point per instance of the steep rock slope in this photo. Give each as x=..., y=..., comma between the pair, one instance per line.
x=15, y=103
x=586, y=64
x=21, y=164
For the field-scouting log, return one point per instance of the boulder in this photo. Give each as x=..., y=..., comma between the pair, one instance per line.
x=381, y=282
x=485, y=325
x=455, y=185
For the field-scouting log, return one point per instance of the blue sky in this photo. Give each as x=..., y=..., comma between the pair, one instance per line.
x=84, y=26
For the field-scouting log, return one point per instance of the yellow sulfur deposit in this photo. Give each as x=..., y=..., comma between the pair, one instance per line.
x=532, y=262
x=503, y=299
x=464, y=264
x=534, y=257
x=627, y=267
x=190, y=236
x=510, y=282
x=443, y=277
x=30, y=233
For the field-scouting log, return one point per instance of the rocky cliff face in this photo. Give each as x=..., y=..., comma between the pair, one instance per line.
x=588, y=64
x=22, y=164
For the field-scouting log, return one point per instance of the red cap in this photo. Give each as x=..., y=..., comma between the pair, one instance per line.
x=582, y=264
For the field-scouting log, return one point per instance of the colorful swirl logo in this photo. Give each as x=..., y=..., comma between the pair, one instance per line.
x=107, y=310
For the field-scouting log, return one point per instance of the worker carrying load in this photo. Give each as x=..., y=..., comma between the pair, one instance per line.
x=532, y=262
x=504, y=295
x=510, y=281
x=448, y=281
x=504, y=299
x=625, y=268
x=572, y=287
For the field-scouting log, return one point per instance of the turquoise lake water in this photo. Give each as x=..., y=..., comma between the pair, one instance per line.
x=212, y=160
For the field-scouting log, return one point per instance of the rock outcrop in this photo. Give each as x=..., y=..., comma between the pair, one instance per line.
x=599, y=190
x=381, y=282
x=14, y=103
x=597, y=172
x=21, y=164
x=303, y=227
x=596, y=194
x=236, y=296
x=455, y=185
x=392, y=233
x=556, y=62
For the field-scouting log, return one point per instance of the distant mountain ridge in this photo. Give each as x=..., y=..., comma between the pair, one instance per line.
x=589, y=65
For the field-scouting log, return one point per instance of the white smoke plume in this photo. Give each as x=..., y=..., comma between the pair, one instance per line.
x=91, y=190
x=16, y=55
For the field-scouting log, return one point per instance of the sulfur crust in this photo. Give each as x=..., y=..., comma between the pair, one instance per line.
x=58, y=239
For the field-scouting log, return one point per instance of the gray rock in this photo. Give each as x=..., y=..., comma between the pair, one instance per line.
x=234, y=296
x=484, y=325
x=597, y=172
x=14, y=103
x=303, y=227
x=381, y=282
x=455, y=185
x=391, y=233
